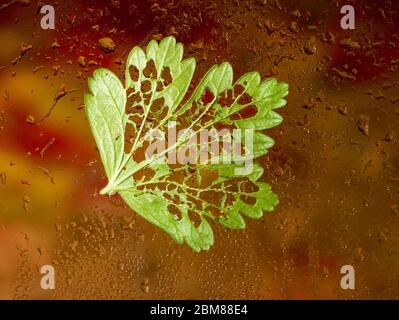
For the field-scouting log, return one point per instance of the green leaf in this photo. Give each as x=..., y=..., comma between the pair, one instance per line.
x=105, y=109
x=183, y=198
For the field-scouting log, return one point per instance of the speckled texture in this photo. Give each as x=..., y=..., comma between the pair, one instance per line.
x=335, y=164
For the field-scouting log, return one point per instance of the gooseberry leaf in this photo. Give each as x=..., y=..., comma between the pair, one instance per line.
x=182, y=198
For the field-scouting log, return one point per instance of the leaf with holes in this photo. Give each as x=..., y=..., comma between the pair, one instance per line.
x=192, y=178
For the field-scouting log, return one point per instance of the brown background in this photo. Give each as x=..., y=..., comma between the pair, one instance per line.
x=334, y=166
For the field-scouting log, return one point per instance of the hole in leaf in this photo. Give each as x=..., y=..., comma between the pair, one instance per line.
x=134, y=99
x=171, y=187
x=158, y=104
x=145, y=86
x=247, y=112
x=238, y=89
x=147, y=98
x=248, y=186
x=177, y=177
x=207, y=178
x=166, y=76
x=143, y=175
x=195, y=218
x=226, y=99
x=245, y=99
x=139, y=154
x=150, y=71
x=213, y=197
x=175, y=211
x=160, y=86
x=207, y=97
x=134, y=73
x=248, y=200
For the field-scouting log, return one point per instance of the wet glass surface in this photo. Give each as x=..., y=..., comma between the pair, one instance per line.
x=335, y=163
